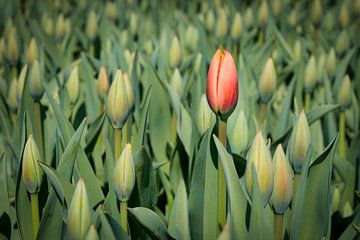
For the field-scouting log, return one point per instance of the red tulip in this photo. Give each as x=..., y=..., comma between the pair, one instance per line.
x=222, y=84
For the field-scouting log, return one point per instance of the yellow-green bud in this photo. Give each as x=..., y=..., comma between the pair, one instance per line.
x=293, y=17
x=91, y=25
x=36, y=81
x=238, y=132
x=249, y=18
x=210, y=21
x=263, y=16
x=32, y=173
x=352, y=115
x=12, y=47
x=205, y=116
x=60, y=27
x=175, y=52
x=102, y=85
x=191, y=37
x=342, y=43
x=320, y=69
x=148, y=46
x=129, y=57
x=92, y=233
x=259, y=156
x=276, y=7
x=267, y=82
x=347, y=210
x=316, y=12
x=72, y=86
x=110, y=10
x=299, y=143
x=32, y=52
x=124, y=175
x=48, y=25
x=12, y=101
x=344, y=15
x=329, y=20
x=297, y=51
x=118, y=105
x=237, y=26
x=283, y=181
x=176, y=82
x=133, y=23
x=21, y=82
x=344, y=97
x=310, y=75
x=79, y=213
x=221, y=23
x=331, y=63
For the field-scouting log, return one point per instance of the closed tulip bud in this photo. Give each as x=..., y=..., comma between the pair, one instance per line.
x=342, y=43
x=267, y=82
x=79, y=213
x=344, y=15
x=320, y=69
x=316, y=12
x=148, y=46
x=249, y=18
x=92, y=234
x=238, y=133
x=129, y=57
x=48, y=25
x=297, y=52
x=331, y=63
x=191, y=37
x=205, y=116
x=210, y=21
x=21, y=82
x=72, y=86
x=263, y=16
x=352, y=115
x=118, y=105
x=124, y=175
x=329, y=20
x=102, y=85
x=175, y=52
x=283, y=182
x=32, y=52
x=12, y=47
x=344, y=97
x=237, y=26
x=222, y=84
x=60, y=27
x=12, y=101
x=133, y=23
x=36, y=81
x=310, y=75
x=293, y=17
x=110, y=10
x=299, y=143
x=221, y=24
x=259, y=156
x=276, y=7
x=91, y=25
x=176, y=82
x=32, y=173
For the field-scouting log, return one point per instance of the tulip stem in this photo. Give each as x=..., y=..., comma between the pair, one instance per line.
x=117, y=142
x=278, y=223
x=262, y=112
x=342, y=134
x=92, y=50
x=123, y=215
x=14, y=72
x=221, y=179
x=307, y=102
x=35, y=212
x=38, y=128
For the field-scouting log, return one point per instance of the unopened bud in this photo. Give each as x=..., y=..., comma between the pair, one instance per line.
x=283, y=181
x=335, y=199
x=197, y=63
x=205, y=116
x=21, y=82
x=92, y=233
x=124, y=175
x=331, y=63
x=48, y=25
x=12, y=47
x=310, y=75
x=249, y=18
x=237, y=26
x=276, y=7
x=176, y=82
x=342, y=43
x=148, y=46
x=267, y=82
x=133, y=23
x=175, y=52
x=344, y=97
x=79, y=213
x=32, y=173
x=238, y=132
x=352, y=115
x=263, y=16
x=329, y=20
x=297, y=51
x=102, y=85
x=221, y=23
x=357, y=7
x=91, y=25
x=60, y=27
x=129, y=91
x=316, y=12
x=36, y=81
x=32, y=52
x=72, y=86
x=110, y=10
x=12, y=101
x=210, y=20
x=344, y=15
x=191, y=37
x=293, y=17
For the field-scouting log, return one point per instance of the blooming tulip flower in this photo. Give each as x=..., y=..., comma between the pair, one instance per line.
x=222, y=84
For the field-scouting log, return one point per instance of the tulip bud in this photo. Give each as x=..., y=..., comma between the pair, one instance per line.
x=344, y=15
x=329, y=20
x=177, y=82
x=118, y=104
x=124, y=175
x=259, y=156
x=249, y=18
x=210, y=21
x=36, y=82
x=191, y=37
x=276, y=7
x=133, y=23
x=12, y=47
x=344, y=97
x=347, y=210
x=205, y=117
x=148, y=46
x=320, y=69
x=342, y=43
x=237, y=26
x=197, y=63
x=12, y=101
x=175, y=52
x=310, y=75
x=102, y=84
x=60, y=27
x=92, y=234
x=297, y=51
x=238, y=133
x=352, y=115
x=222, y=84
x=221, y=24
x=91, y=25
x=47, y=24
x=263, y=16
x=129, y=91
x=110, y=10
x=124, y=38
x=32, y=173
x=299, y=143
x=267, y=82
x=293, y=17
x=283, y=182
x=331, y=63
x=72, y=86
x=21, y=82
x=79, y=213
x=32, y=51
x=316, y=12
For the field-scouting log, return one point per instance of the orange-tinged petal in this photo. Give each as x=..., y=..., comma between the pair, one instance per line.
x=212, y=81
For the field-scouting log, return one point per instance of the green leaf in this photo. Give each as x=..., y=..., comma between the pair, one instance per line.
x=318, y=112
x=144, y=115
x=108, y=228
x=185, y=130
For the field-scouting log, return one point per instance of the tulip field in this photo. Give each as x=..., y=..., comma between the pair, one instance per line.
x=200, y=120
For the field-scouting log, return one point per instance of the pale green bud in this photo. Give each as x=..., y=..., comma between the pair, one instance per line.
x=91, y=25
x=283, y=181
x=72, y=86
x=21, y=82
x=331, y=63
x=110, y=10
x=210, y=20
x=36, y=81
x=92, y=233
x=352, y=115
x=12, y=47
x=342, y=43
x=329, y=20
x=344, y=96
x=133, y=23
x=347, y=210
x=12, y=101
x=263, y=15
x=249, y=18
x=102, y=85
x=237, y=26
x=221, y=23
x=297, y=52
x=124, y=175
x=316, y=12
x=293, y=17
x=79, y=213
x=238, y=132
x=175, y=52
x=60, y=27
x=32, y=52
x=259, y=156
x=320, y=68
x=310, y=75
x=267, y=82
x=205, y=116
x=148, y=46
x=299, y=143
x=124, y=38
x=191, y=37
x=335, y=199
x=32, y=173
x=48, y=25
x=118, y=105
x=129, y=57
x=276, y=7
x=176, y=82
x=344, y=15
